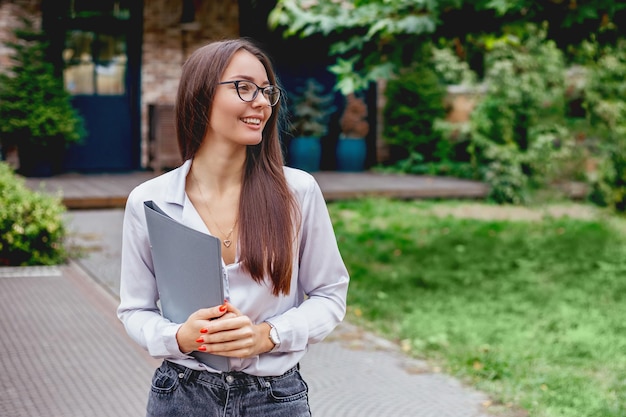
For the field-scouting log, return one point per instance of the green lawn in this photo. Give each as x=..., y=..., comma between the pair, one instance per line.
x=533, y=312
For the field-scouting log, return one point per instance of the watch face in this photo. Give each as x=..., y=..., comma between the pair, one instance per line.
x=274, y=336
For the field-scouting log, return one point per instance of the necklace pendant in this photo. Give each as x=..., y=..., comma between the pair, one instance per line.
x=227, y=242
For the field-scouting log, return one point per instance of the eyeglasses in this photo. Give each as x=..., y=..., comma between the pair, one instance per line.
x=247, y=91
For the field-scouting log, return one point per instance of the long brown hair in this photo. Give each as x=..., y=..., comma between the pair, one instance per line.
x=268, y=213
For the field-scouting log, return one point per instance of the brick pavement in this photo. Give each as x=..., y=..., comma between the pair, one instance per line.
x=64, y=353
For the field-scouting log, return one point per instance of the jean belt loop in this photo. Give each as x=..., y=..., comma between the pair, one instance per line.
x=189, y=374
x=263, y=383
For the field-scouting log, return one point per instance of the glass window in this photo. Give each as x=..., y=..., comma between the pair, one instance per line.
x=95, y=63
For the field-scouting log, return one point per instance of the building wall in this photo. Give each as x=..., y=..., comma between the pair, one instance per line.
x=167, y=43
x=9, y=13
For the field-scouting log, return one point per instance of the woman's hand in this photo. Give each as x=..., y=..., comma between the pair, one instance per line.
x=188, y=334
x=232, y=334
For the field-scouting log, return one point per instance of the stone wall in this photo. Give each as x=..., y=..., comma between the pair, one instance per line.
x=9, y=20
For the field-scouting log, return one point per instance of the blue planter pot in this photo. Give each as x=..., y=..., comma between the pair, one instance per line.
x=305, y=152
x=351, y=153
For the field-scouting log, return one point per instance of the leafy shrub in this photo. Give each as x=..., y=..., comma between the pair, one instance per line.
x=415, y=124
x=31, y=224
x=606, y=113
x=519, y=123
x=415, y=99
x=450, y=69
x=35, y=108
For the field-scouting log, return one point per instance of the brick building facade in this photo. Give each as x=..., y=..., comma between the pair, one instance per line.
x=166, y=42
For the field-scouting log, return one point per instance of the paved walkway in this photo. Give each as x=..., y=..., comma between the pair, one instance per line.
x=111, y=190
x=65, y=353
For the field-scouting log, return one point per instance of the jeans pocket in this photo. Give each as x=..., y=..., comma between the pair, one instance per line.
x=287, y=388
x=165, y=380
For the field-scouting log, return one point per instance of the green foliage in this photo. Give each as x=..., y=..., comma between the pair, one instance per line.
x=519, y=123
x=34, y=105
x=386, y=30
x=414, y=100
x=311, y=109
x=31, y=224
x=417, y=101
x=374, y=39
x=450, y=69
x=529, y=310
x=606, y=113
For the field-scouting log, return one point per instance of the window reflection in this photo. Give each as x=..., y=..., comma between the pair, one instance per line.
x=95, y=63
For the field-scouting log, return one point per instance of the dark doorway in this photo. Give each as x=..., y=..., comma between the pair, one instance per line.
x=97, y=46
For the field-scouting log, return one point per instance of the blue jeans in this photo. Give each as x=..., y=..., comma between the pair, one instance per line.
x=180, y=391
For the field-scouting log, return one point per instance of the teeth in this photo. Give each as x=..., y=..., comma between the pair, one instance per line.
x=252, y=121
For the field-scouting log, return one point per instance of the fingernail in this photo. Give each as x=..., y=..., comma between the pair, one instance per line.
x=222, y=309
x=202, y=348
x=225, y=301
x=203, y=330
x=200, y=340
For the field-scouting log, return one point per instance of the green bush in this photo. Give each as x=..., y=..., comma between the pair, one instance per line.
x=31, y=224
x=606, y=113
x=417, y=103
x=450, y=69
x=35, y=108
x=520, y=122
x=415, y=100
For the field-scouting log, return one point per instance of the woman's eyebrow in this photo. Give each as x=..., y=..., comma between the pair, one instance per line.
x=248, y=78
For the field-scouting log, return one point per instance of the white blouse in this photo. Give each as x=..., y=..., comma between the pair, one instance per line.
x=319, y=284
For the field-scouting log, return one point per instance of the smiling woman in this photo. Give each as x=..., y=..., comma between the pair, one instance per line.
x=273, y=229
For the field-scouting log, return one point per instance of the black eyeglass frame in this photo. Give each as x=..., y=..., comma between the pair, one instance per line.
x=256, y=92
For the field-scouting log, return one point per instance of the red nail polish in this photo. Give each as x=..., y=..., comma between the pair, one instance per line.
x=202, y=348
x=203, y=330
x=200, y=340
x=222, y=309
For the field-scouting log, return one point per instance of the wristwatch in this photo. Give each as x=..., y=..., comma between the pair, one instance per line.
x=274, y=337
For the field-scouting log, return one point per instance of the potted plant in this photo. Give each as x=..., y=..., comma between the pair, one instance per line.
x=36, y=113
x=311, y=109
x=352, y=147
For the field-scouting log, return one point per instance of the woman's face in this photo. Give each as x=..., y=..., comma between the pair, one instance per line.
x=232, y=119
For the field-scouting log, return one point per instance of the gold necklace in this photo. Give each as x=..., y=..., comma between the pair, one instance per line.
x=227, y=242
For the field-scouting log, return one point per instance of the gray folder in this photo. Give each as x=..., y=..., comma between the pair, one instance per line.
x=188, y=270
